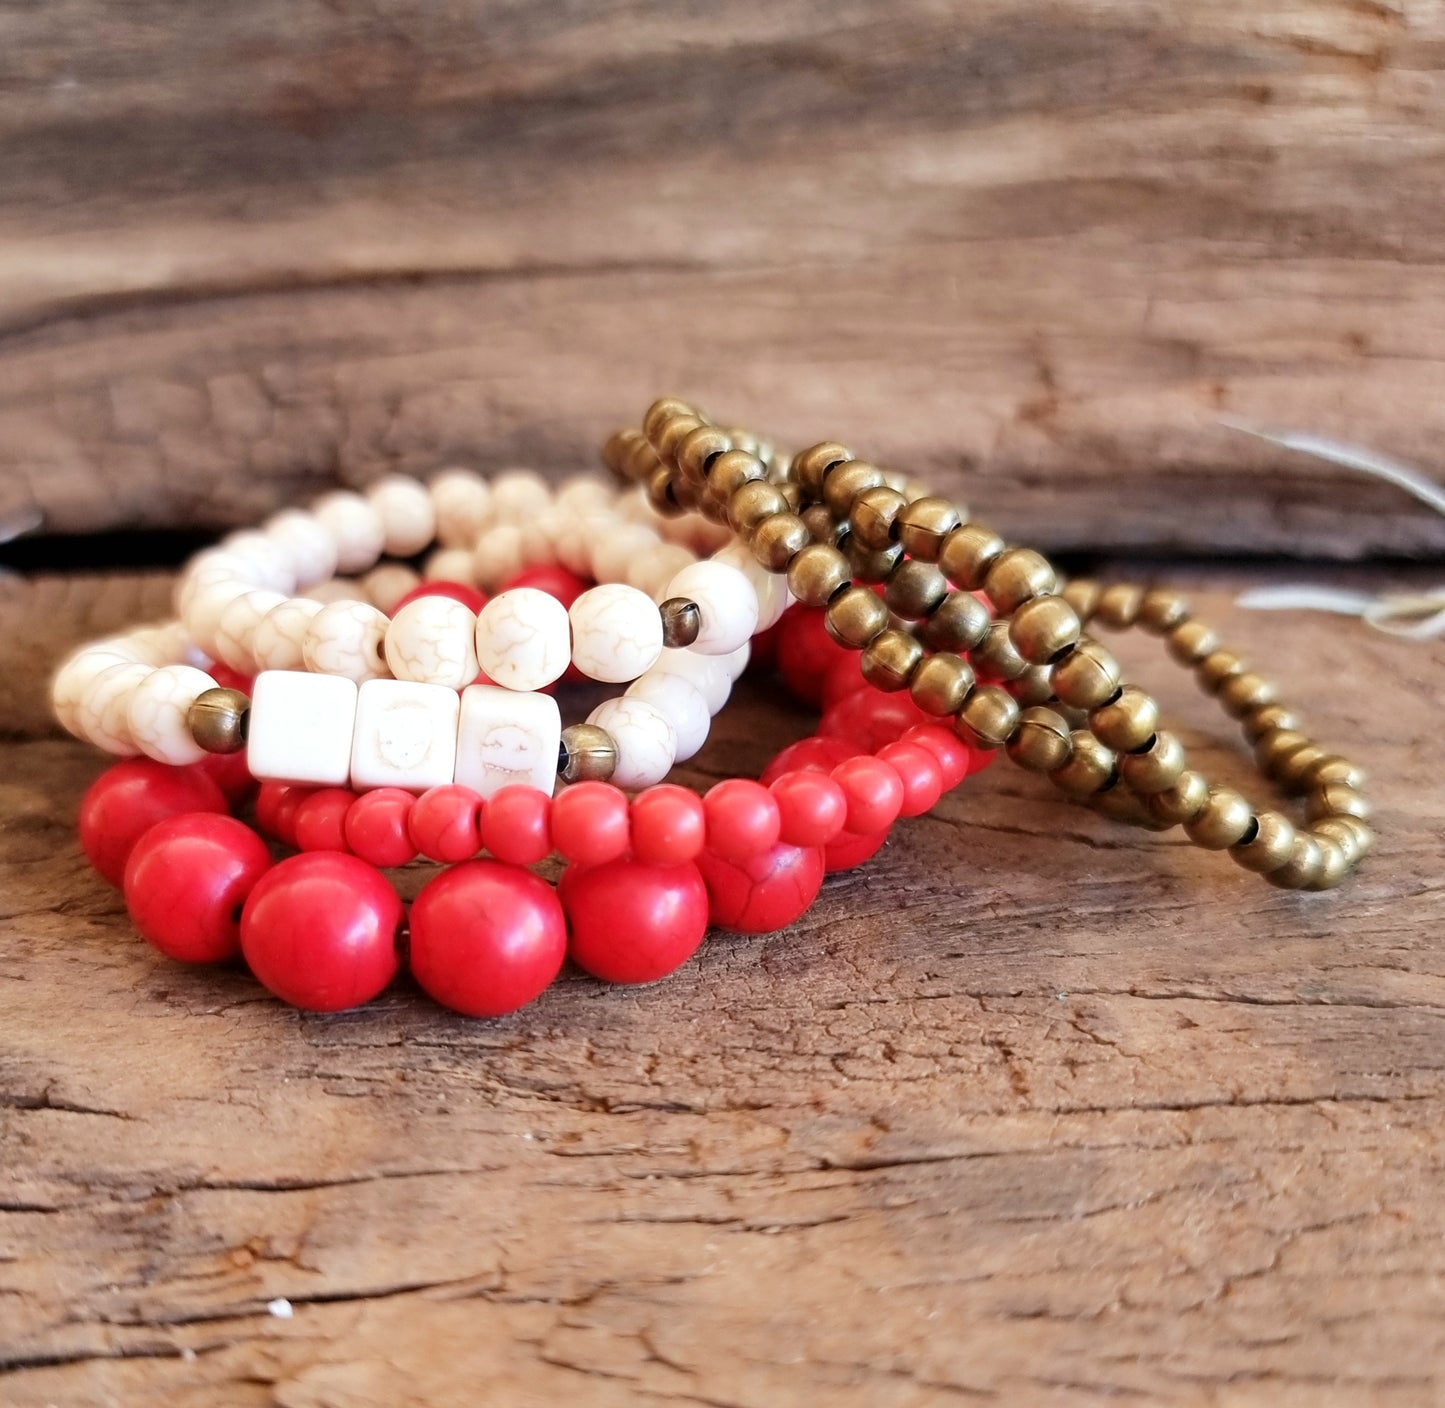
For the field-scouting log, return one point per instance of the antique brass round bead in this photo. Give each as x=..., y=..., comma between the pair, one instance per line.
x=1090, y=767
x=793, y=493
x=1155, y=768
x=1119, y=605
x=1191, y=642
x=941, y=683
x=1337, y=769
x=730, y=471
x=588, y=754
x=967, y=554
x=856, y=617
x=1304, y=866
x=988, y=717
x=1041, y=742
x=642, y=462
x=1334, y=865
x=873, y=514
x=1162, y=610
x=1225, y=819
x=775, y=540
x=618, y=450
x=818, y=573
x=671, y=435
x=1293, y=770
x=1088, y=676
x=822, y=527
x=1349, y=832
x=1180, y=803
x=681, y=622
x=890, y=660
x=662, y=494
x=1128, y=722
x=923, y=526
x=1044, y=629
x=914, y=589
x=995, y=654
x=958, y=622
x=1241, y=695
x=1259, y=722
x=1269, y=848
x=218, y=720
x=753, y=502
x=1335, y=799
x=1272, y=748
x=663, y=410
x=1083, y=595
x=1018, y=575
x=1123, y=805
x=844, y=482
x=809, y=466
x=871, y=564
x=699, y=448
x=1034, y=686
x=1216, y=667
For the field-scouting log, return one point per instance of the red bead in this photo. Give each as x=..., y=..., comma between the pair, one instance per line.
x=589, y=823
x=486, y=938
x=445, y=824
x=845, y=676
x=376, y=827
x=742, y=818
x=874, y=792
x=230, y=773
x=320, y=820
x=920, y=774
x=764, y=653
x=669, y=825
x=517, y=825
x=811, y=808
x=276, y=805
x=767, y=891
x=319, y=931
x=126, y=800
x=871, y=718
x=633, y=923
x=227, y=678
x=469, y=597
x=980, y=758
x=851, y=850
x=952, y=754
x=550, y=578
x=186, y=881
x=806, y=651
x=811, y=755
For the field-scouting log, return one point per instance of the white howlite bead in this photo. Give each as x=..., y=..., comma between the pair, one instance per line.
x=450, y=565
x=355, y=527
x=727, y=601
x=408, y=520
x=616, y=633
x=432, y=640
x=266, y=564
x=573, y=544
x=387, y=584
x=584, y=495
x=519, y=495
x=406, y=735
x=277, y=643
x=463, y=506
x=613, y=554
x=166, y=644
x=736, y=662
x=538, y=541
x=73, y=680
x=347, y=638
x=524, y=639
x=307, y=547
x=337, y=589
x=104, y=714
x=655, y=568
x=205, y=609
x=301, y=728
x=206, y=569
x=706, y=673
x=773, y=595
x=158, y=712
x=236, y=631
x=682, y=703
x=645, y=738
x=498, y=556
x=507, y=739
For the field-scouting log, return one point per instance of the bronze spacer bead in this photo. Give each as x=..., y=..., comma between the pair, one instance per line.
x=730, y=471
x=1225, y=819
x=681, y=622
x=995, y=654
x=662, y=493
x=1305, y=864
x=1119, y=605
x=967, y=554
x=1260, y=721
x=844, y=482
x=776, y=540
x=666, y=409
x=1273, y=747
x=1016, y=576
x=871, y=564
x=914, y=589
x=1335, y=799
x=1034, y=686
x=1348, y=832
x=219, y=720
x=988, y=717
x=1162, y=610
x=1155, y=768
x=1269, y=847
x=671, y=435
x=618, y=449
x=1241, y=695
x=1123, y=805
x=1337, y=769
x=958, y=623
x=1041, y=742
x=1334, y=865
x=1216, y=667
x=856, y=617
x=890, y=660
x=818, y=573
x=1083, y=595
x=822, y=527
x=1089, y=769
x=941, y=684
x=1044, y=629
x=753, y=502
x=1293, y=770
x=587, y=754
x=1088, y=676
x=923, y=526
x=809, y=466
x=794, y=495
x=872, y=516
x=1180, y=803
x=1191, y=642
x=642, y=461
x=745, y=440
x=699, y=448
x=1127, y=722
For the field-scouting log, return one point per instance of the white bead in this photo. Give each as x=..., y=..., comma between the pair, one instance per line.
x=205, y=608
x=773, y=595
x=706, y=673
x=498, y=556
x=613, y=554
x=727, y=601
x=524, y=639
x=347, y=638
x=408, y=520
x=387, y=584
x=266, y=563
x=204, y=570
x=73, y=680
x=584, y=495
x=277, y=642
x=354, y=526
x=301, y=728
x=307, y=547
x=406, y=735
x=616, y=633
x=159, y=711
x=104, y=713
x=432, y=641
x=506, y=738
x=519, y=494
x=337, y=589
x=682, y=703
x=736, y=662
x=236, y=630
x=655, y=568
x=645, y=738
x=450, y=565
x=463, y=506
x=573, y=544
x=167, y=644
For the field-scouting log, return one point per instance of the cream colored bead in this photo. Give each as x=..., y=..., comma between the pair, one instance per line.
x=205, y=570
x=406, y=735
x=728, y=603
x=683, y=705
x=236, y=631
x=616, y=633
x=432, y=641
x=337, y=589
x=645, y=738
x=575, y=540
x=537, y=543
x=347, y=638
x=206, y=607
x=355, y=527
x=74, y=678
x=158, y=710
x=386, y=584
x=771, y=588
x=519, y=495
x=524, y=639
x=408, y=521
x=462, y=503
x=615, y=553
x=166, y=644
x=706, y=673
x=267, y=565
x=737, y=661
x=499, y=555
x=305, y=544
x=104, y=713
x=506, y=738
x=450, y=565
x=656, y=567
x=301, y=728
x=277, y=642
x=584, y=494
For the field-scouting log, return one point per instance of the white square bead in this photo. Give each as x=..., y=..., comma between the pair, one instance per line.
x=507, y=738
x=406, y=735
x=301, y=728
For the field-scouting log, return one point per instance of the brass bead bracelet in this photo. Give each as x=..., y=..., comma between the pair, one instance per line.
x=1055, y=698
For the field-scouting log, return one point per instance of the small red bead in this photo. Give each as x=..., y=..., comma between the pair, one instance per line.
x=952, y=754
x=550, y=578
x=811, y=755
x=376, y=827
x=319, y=931
x=320, y=821
x=871, y=718
x=469, y=597
x=231, y=774
x=767, y=891
x=669, y=825
x=811, y=808
x=874, y=792
x=517, y=825
x=764, y=653
x=633, y=923
x=589, y=823
x=851, y=850
x=806, y=652
x=126, y=800
x=742, y=818
x=980, y=758
x=227, y=678
x=186, y=881
x=486, y=938
x=845, y=676
x=445, y=824
x=920, y=774
x=276, y=805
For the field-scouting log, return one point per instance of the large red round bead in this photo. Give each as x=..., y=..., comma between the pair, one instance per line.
x=551, y=578
x=870, y=718
x=812, y=809
x=445, y=824
x=810, y=754
x=229, y=771
x=953, y=754
x=486, y=938
x=319, y=931
x=806, y=652
x=126, y=800
x=185, y=883
x=851, y=849
x=920, y=773
x=874, y=792
x=320, y=820
x=767, y=891
x=633, y=923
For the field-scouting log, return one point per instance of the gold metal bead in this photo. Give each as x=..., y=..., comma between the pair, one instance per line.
x=1044, y=629
x=1349, y=832
x=822, y=527
x=1305, y=865
x=1293, y=770
x=856, y=617
x=730, y=471
x=671, y=435
x=844, y=482
x=681, y=622
x=663, y=410
x=1018, y=575
x=1125, y=723
x=661, y=493
x=1034, y=686
x=699, y=448
x=1083, y=595
x=1273, y=747
x=1216, y=667
x=1162, y=610
x=967, y=554
x=744, y=439
x=1270, y=847
x=753, y=502
x=776, y=540
x=218, y=720
x=923, y=526
x=818, y=573
x=995, y=654
x=618, y=450
x=1224, y=820
x=1090, y=767
x=1041, y=742
x=1241, y=695
x=957, y=623
x=794, y=495
x=872, y=516
x=642, y=461
x=988, y=717
x=809, y=466
x=941, y=683
x=914, y=589
x=1191, y=642
x=1334, y=865
x=1335, y=799
x=890, y=660
x=1155, y=768
x=1119, y=605
x=1088, y=676
x=1180, y=803
x=588, y=754
x=871, y=564
x=1124, y=805
x=1260, y=721
x=1337, y=769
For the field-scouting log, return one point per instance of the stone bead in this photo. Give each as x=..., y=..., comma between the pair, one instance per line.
x=278, y=639
x=158, y=711
x=616, y=549
x=524, y=639
x=616, y=632
x=204, y=608
x=706, y=673
x=168, y=644
x=355, y=527
x=499, y=555
x=583, y=494
x=104, y=713
x=387, y=583
x=737, y=662
x=337, y=589
x=301, y=728
x=236, y=630
x=770, y=588
x=265, y=561
x=681, y=702
x=645, y=738
x=505, y=737
x=432, y=640
x=449, y=565
x=656, y=567
x=347, y=638
x=305, y=544
x=519, y=495
x=727, y=601
x=405, y=736
x=462, y=504
x=73, y=680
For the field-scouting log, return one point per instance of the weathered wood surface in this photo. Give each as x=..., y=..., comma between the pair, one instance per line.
x=1036, y=252
x=1032, y=1110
